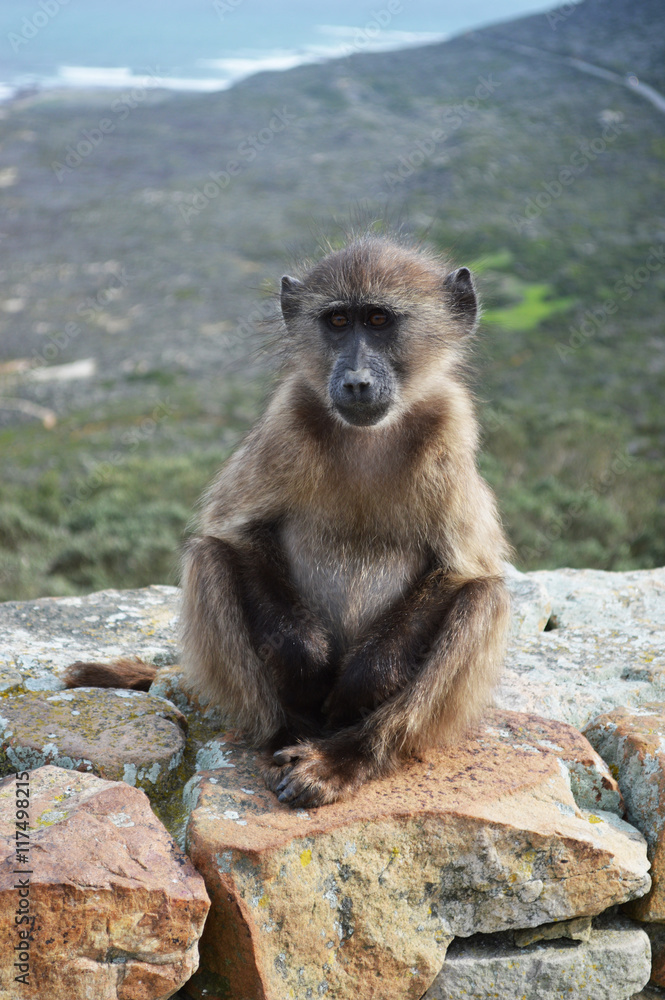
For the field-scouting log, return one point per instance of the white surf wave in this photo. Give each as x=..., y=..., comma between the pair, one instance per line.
x=119, y=77
x=339, y=41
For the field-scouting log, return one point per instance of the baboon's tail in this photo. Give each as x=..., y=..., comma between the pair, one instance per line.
x=124, y=673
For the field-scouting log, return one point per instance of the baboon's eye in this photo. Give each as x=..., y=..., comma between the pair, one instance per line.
x=377, y=318
x=339, y=320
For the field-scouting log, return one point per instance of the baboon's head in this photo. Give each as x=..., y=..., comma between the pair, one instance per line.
x=376, y=326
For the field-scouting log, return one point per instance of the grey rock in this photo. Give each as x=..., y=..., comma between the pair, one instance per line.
x=10, y=680
x=632, y=742
x=592, y=598
x=531, y=602
x=39, y=639
x=120, y=735
x=656, y=932
x=604, y=645
x=612, y=965
x=170, y=683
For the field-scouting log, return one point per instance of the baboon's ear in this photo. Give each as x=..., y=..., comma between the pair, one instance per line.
x=461, y=296
x=290, y=296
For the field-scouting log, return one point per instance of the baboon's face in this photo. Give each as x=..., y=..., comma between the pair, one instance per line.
x=363, y=383
x=374, y=327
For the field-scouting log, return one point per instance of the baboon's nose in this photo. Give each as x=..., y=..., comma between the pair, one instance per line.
x=358, y=382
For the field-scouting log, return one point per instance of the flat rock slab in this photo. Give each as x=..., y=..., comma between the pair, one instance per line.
x=604, y=645
x=593, y=598
x=362, y=898
x=39, y=639
x=612, y=965
x=632, y=741
x=118, y=908
x=121, y=735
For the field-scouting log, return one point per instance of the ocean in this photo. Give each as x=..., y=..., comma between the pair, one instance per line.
x=207, y=45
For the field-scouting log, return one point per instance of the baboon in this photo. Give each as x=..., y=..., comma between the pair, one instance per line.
x=344, y=600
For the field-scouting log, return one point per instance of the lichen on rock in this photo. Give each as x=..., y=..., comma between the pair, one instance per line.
x=126, y=736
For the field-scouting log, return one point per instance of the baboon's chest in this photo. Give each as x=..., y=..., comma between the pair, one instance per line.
x=347, y=582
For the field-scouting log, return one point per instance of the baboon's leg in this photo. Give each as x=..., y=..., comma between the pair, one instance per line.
x=249, y=642
x=444, y=689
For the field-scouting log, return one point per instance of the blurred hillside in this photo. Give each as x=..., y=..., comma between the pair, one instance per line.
x=144, y=233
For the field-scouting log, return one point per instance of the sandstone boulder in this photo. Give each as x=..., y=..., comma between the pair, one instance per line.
x=516, y=827
x=118, y=909
x=611, y=965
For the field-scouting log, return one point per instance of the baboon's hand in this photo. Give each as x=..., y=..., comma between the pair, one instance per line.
x=272, y=772
x=313, y=776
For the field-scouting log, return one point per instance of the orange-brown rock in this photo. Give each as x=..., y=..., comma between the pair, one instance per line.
x=632, y=742
x=118, y=909
x=656, y=932
x=516, y=827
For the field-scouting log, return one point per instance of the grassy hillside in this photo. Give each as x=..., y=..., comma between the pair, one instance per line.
x=147, y=231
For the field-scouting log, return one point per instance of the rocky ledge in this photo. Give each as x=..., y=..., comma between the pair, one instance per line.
x=516, y=864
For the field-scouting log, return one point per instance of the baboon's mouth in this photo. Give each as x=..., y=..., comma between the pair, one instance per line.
x=363, y=414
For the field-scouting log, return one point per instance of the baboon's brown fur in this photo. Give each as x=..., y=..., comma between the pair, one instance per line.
x=124, y=673
x=344, y=600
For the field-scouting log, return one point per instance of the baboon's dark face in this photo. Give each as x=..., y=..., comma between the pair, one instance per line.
x=363, y=383
x=374, y=326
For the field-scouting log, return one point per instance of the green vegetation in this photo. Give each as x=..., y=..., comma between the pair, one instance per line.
x=534, y=305
x=121, y=261
x=106, y=502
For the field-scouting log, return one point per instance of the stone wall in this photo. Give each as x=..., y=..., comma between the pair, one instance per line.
x=515, y=865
